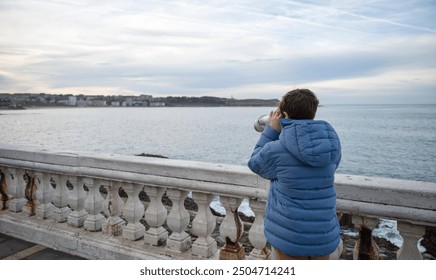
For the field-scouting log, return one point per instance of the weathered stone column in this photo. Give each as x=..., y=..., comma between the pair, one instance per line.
x=44, y=190
x=411, y=234
x=203, y=225
x=231, y=230
x=255, y=234
x=365, y=248
x=114, y=224
x=4, y=193
x=106, y=200
x=16, y=187
x=178, y=221
x=30, y=194
x=76, y=201
x=133, y=212
x=93, y=205
x=155, y=216
x=60, y=199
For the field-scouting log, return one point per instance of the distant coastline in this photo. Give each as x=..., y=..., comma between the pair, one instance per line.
x=19, y=101
x=208, y=101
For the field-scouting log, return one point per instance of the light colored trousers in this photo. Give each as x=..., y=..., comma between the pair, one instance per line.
x=278, y=255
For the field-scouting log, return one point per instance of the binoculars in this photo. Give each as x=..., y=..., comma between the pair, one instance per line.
x=261, y=123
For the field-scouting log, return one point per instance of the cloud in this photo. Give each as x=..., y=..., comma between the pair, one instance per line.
x=240, y=48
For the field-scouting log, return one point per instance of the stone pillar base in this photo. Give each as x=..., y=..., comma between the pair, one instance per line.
x=44, y=211
x=204, y=247
x=257, y=254
x=77, y=218
x=179, y=242
x=94, y=222
x=155, y=236
x=113, y=226
x=232, y=252
x=29, y=209
x=16, y=205
x=133, y=231
x=60, y=215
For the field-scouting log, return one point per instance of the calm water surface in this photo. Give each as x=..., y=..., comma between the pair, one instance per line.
x=397, y=141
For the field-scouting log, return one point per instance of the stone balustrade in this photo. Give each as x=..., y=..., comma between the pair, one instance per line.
x=127, y=207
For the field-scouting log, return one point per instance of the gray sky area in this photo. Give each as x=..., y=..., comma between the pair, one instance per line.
x=363, y=51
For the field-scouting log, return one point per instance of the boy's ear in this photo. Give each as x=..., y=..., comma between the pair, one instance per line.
x=286, y=115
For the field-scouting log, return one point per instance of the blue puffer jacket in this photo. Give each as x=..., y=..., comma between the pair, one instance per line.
x=300, y=216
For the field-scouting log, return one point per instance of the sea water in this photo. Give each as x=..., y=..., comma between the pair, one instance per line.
x=395, y=141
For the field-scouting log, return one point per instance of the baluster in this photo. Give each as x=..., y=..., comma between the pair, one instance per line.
x=133, y=212
x=255, y=234
x=30, y=194
x=44, y=208
x=93, y=205
x=105, y=203
x=203, y=225
x=178, y=221
x=60, y=199
x=16, y=186
x=411, y=234
x=76, y=201
x=155, y=216
x=231, y=230
x=5, y=181
x=114, y=224
x=365, y=248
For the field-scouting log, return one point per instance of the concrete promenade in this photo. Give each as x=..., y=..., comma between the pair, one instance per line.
x=15, y=249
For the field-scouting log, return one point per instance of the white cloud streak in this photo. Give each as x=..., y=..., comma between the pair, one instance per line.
x=238, y=48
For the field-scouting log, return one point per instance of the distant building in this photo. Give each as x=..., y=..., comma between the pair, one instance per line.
x=156, y=104
x=144, y=97
x=127, y=103
x=72, y=100
x=81, y=103
x=98, y=103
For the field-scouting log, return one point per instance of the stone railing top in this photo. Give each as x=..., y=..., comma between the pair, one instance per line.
x=406, y=200
x=411, y=201
x=414, y=194
x=232, y=180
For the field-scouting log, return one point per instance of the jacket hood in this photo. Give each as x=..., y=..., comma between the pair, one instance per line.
x=314, y=142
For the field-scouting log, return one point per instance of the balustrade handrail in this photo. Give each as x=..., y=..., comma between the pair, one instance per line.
x=230, y=180
x=408, y=202
x=411, y=201
x=382, y=197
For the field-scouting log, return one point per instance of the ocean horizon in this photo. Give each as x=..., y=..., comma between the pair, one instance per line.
x=383, y=140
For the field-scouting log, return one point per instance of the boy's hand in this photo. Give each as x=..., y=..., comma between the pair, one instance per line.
x=274, y=119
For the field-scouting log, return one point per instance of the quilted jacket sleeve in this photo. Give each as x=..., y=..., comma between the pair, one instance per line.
x=261, y=161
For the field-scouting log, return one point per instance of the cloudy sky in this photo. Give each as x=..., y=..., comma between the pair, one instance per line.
x=362, y=51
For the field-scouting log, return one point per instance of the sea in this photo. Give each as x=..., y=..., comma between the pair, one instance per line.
x=393, y=141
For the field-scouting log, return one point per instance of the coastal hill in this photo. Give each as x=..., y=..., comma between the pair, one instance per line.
x=25, y=100
x=215, y=101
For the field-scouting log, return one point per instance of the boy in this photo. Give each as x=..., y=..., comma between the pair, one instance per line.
x=300, y=156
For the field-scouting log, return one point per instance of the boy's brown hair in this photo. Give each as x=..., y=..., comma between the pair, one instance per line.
x=299, y=104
